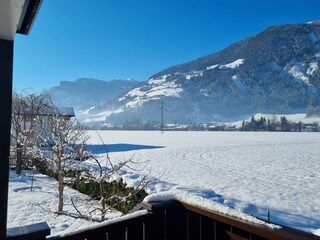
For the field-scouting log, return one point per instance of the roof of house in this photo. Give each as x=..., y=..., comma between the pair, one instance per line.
x=17, y=16
x=47, y=111
x=63, y=111
x=29, y=16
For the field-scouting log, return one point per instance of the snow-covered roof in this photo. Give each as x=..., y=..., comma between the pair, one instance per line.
x=60, y=111
x=63, y=111
x=249, y=212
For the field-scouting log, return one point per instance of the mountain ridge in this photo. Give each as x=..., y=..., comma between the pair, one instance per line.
x=87, y=92
x=274, y=71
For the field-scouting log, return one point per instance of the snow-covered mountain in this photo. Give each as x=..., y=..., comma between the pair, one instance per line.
x=87, y=95
x=275, y=71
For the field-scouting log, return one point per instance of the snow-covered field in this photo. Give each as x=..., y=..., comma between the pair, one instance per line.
x=278, y=172
x=249, y=171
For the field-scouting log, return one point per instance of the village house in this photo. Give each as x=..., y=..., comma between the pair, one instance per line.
x=25, y=118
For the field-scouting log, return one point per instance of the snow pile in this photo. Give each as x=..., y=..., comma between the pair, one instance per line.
x=115, y=220
x=247, y=212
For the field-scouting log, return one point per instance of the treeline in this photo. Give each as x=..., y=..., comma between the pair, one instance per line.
x=273, y=125
x=134, y=124
x=313, y=111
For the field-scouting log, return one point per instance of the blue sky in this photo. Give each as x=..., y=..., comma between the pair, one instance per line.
x=110, y=39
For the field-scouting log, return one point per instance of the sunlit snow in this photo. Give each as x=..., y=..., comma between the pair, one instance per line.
x=247, y=212
x=272, y=171
x=212, y=67
x=100, y=117
x=313, y=68
x=297, y=71
x=28, y=207
x=314, y=22
x=137, y=102
x=232, y=65
x=135, y=92
x=158, y=80
x=193, y=74
x=155, y=89
x=235, y=172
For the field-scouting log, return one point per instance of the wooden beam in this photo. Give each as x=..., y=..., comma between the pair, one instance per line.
x=29, y=16
x=235, y=236
x=38, y=231
x=6, y=68
x=284, y=233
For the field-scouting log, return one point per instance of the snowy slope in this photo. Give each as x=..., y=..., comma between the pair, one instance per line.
x=275, y=71
x=86, y=94
x=154, y=89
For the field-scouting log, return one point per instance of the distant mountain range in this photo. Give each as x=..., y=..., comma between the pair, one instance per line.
x=275, y=71
x=86, y=93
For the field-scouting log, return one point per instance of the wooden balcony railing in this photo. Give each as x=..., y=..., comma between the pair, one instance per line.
x=37, y=231
x=173, y=220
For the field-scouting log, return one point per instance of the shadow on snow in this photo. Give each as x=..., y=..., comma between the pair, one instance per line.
x=118, y=147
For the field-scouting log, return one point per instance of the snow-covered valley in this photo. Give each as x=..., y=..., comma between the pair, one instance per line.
x=276, y=172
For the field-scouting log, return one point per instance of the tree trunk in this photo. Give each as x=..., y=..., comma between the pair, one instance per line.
x=19, y=159
x=60, y=190
x=103, y=201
